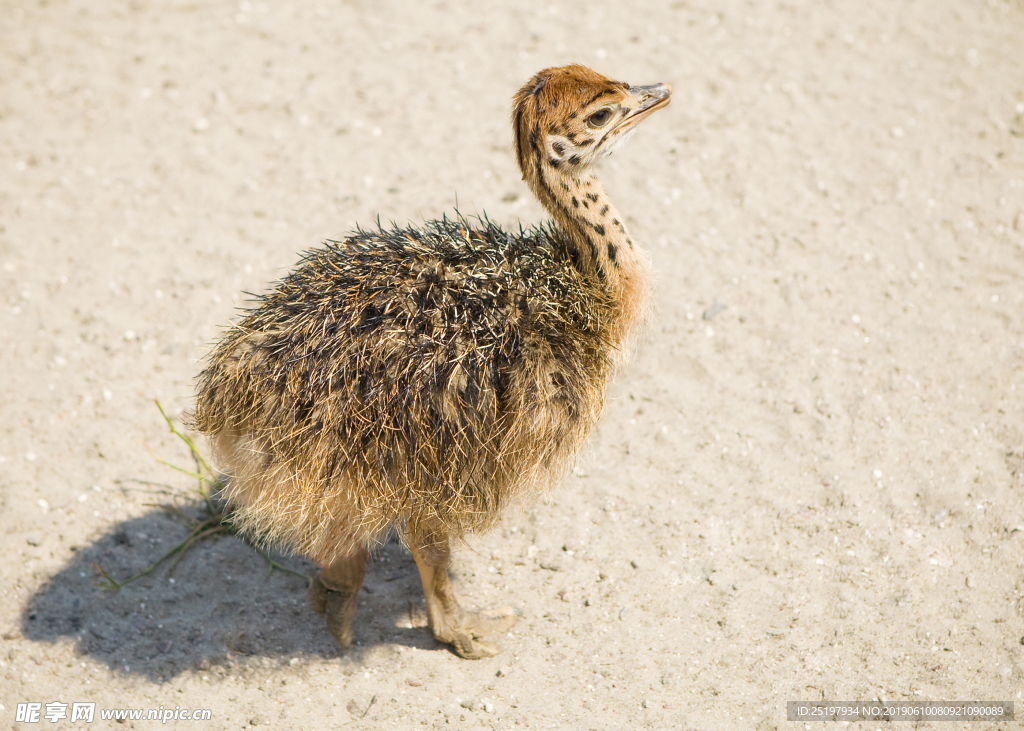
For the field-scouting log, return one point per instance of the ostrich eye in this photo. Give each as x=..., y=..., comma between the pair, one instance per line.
x=599, y=118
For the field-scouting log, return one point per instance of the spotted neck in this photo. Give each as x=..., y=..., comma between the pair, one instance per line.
x=602, y=248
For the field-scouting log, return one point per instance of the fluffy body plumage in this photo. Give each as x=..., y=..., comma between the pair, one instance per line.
x=430, y=374
x=425, y=377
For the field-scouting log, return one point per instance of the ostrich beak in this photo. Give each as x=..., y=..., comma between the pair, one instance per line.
x=651, y=98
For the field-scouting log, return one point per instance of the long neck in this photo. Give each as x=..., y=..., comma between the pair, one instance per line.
x=602, y=249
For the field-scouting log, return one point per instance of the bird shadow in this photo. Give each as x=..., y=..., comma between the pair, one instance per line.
x=222, y=605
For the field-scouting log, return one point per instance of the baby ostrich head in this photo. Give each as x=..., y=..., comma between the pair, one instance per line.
x=565, y=120
x=570, y=117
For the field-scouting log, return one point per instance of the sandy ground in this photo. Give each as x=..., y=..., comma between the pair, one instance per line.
x=809, y=485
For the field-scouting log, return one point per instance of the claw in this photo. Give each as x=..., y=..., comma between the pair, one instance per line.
x=473, y=649
x=465, y=638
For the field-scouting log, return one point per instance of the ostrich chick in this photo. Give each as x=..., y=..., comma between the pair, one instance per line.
x=423, y=378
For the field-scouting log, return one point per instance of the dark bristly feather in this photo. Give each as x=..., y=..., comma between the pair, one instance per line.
x=459, y=367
